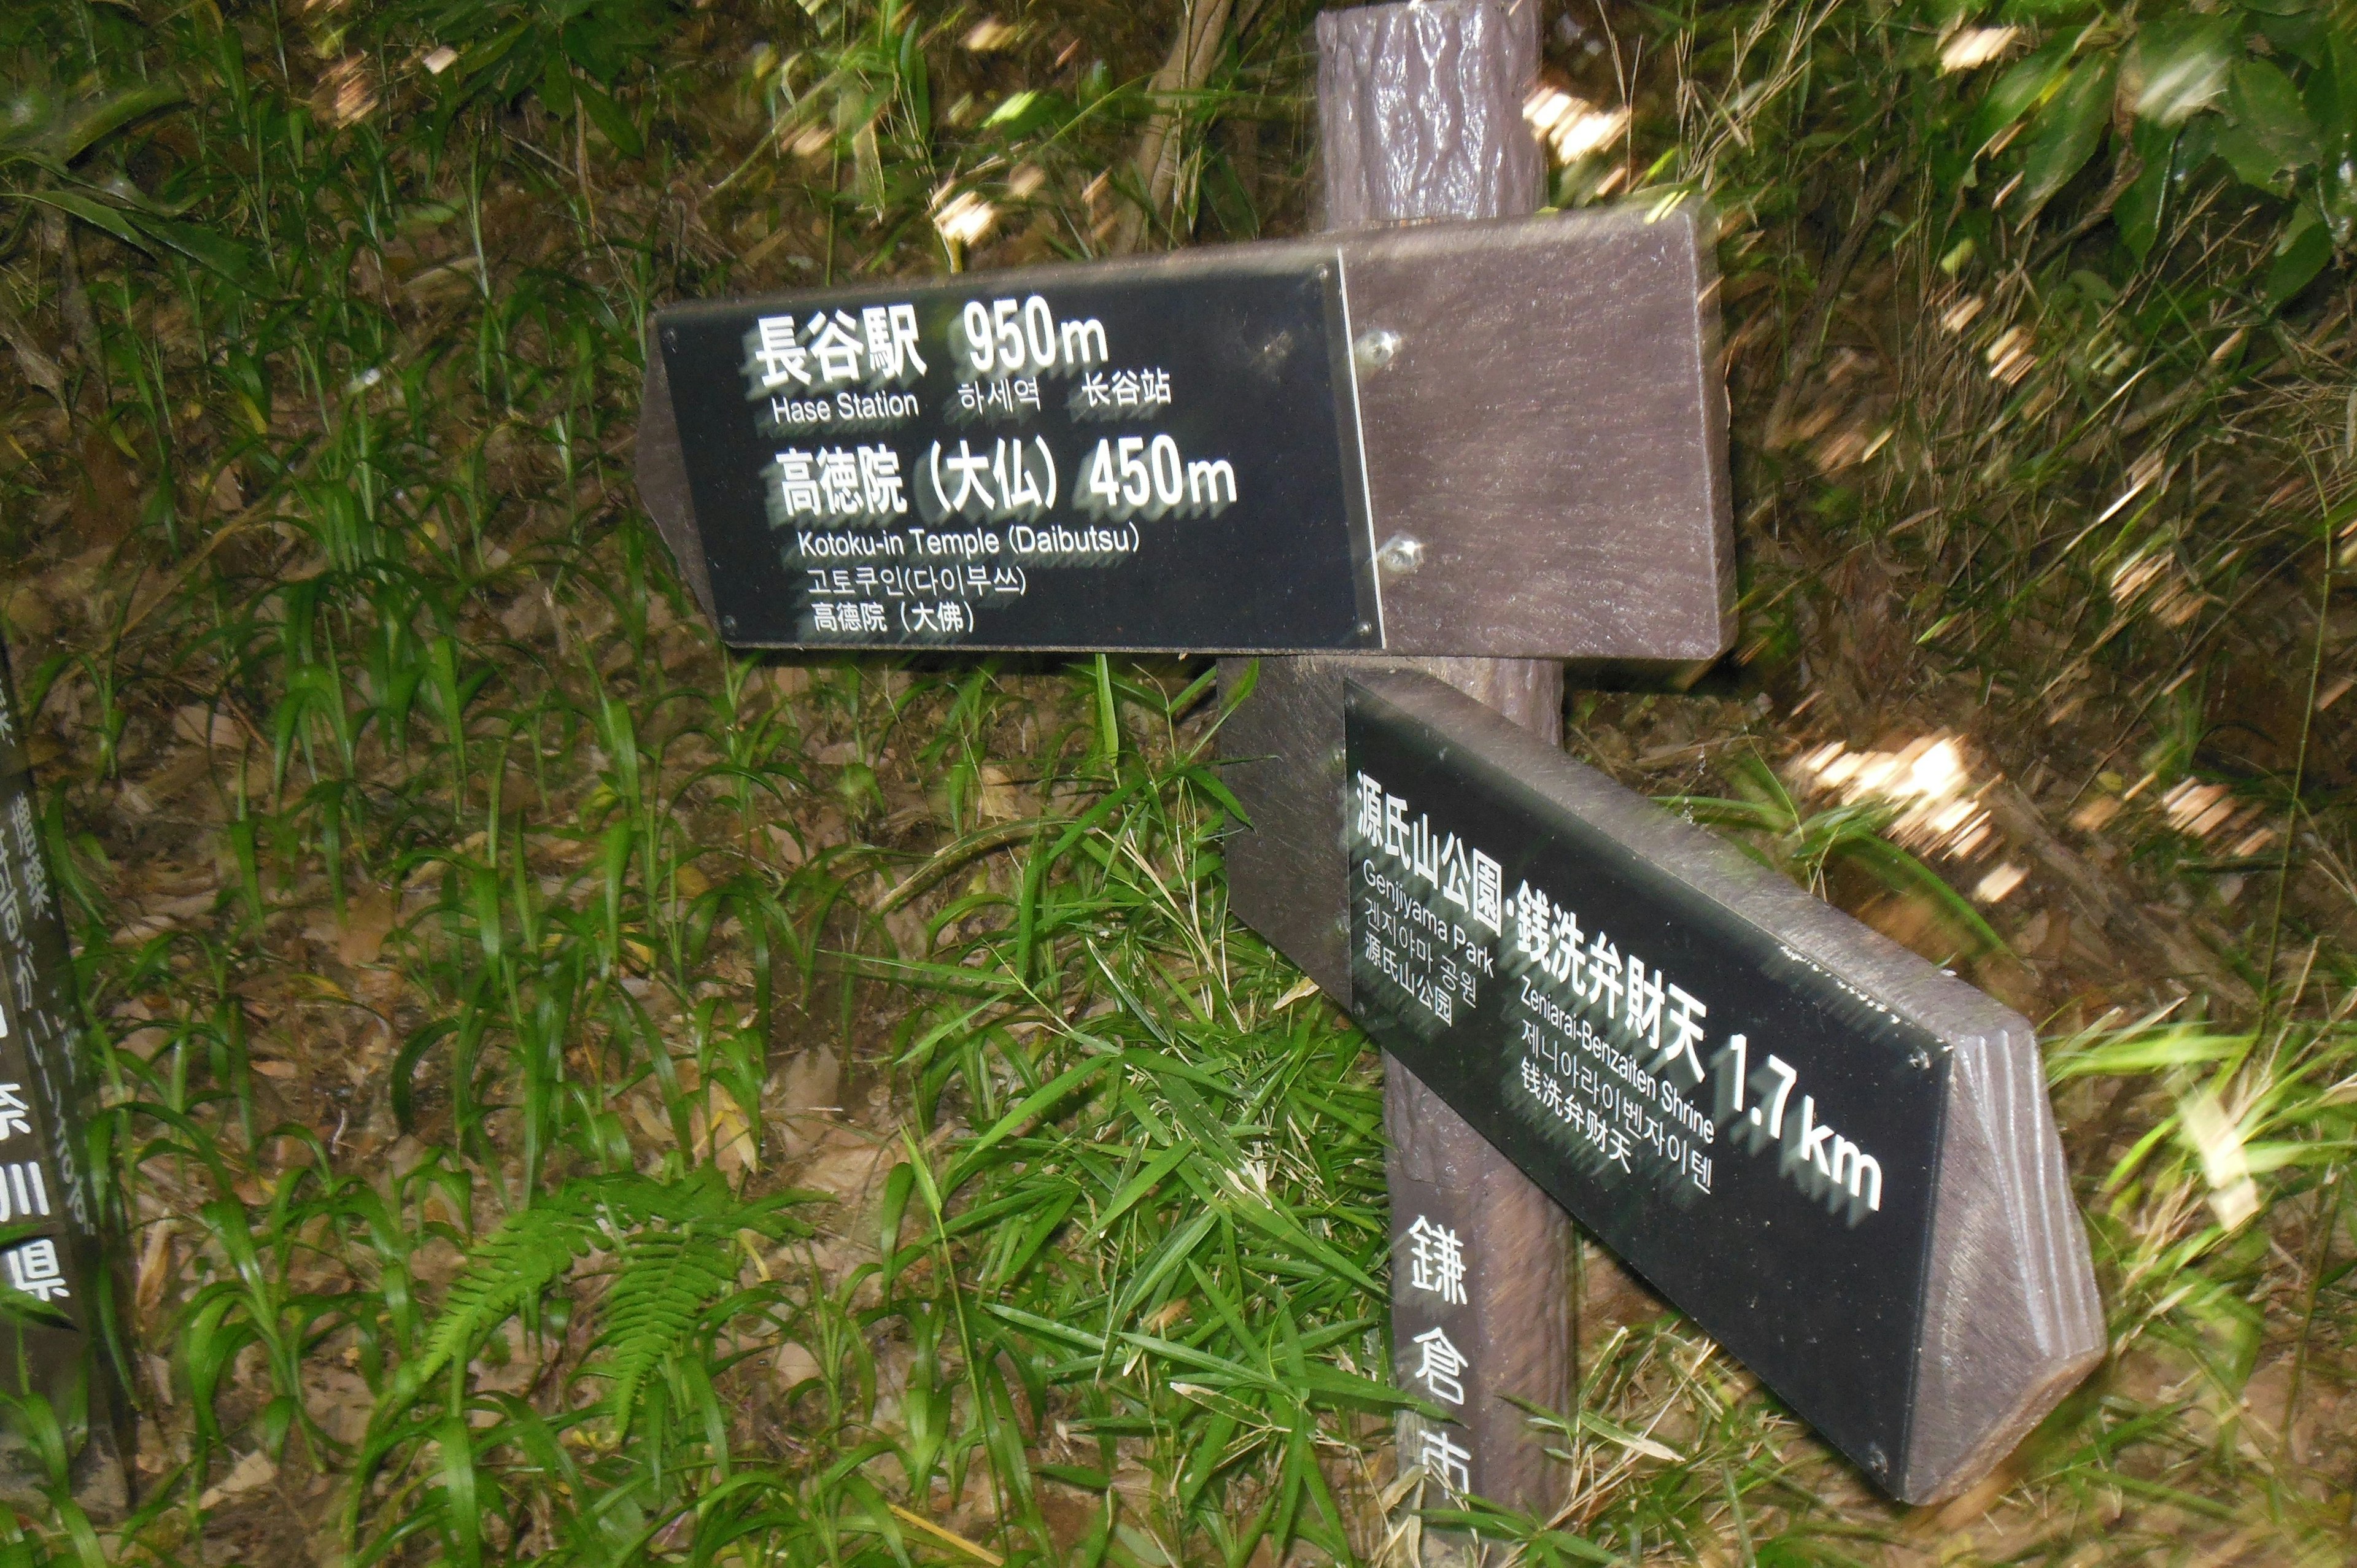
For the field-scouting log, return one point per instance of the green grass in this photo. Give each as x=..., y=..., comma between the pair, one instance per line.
x=573, y=1093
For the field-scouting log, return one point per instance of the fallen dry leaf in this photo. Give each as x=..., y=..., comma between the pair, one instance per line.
x=846, y=1167
x=999, y=801
x=339, y=1402
x=106, y=503
x=368, y=920
x=794, y=1364
x=201, y=725
x=156, y=1262
x=726, y=1136
x=249, y=1474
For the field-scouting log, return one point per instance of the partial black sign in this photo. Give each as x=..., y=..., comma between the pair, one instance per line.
x=1756, y=1135
x=42, y=1184
x=1052, y=460
x=49, y=1261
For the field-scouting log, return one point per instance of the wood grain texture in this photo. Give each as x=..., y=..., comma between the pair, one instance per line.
x=662, y=478
x=1552, y=429
x=2011, y=1319
x=1517, y=1323
x=1282, y=756
x=1420, y=112
x=1516, y=1326
x=1420, y=117
x=2014, y=1321
x=1282, y=752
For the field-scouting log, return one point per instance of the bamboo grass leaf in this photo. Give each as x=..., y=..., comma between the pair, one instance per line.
x=2065, y=133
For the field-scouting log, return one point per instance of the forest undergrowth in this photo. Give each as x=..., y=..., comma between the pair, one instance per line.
x=573, y=1093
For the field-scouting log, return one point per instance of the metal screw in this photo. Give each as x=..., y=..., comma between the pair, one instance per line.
x=729, y=625
x=1375, y=347
x=1401, y=555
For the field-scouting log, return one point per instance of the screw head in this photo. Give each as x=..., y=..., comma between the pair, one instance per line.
x=728, y=626
x=1401, y=555
x=1375, y=347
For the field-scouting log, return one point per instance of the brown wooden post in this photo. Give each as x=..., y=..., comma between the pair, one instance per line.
x=1419, y=115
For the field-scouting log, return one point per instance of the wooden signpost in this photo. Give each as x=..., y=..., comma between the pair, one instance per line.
x=1332, y=444
x=1836, y=1158
x=1424, y=459
x=1419, y=119
x=50, y=1339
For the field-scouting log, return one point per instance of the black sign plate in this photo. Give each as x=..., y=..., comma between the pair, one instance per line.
x=1058, y=459
x=44, y=1193
x=1756, y=1135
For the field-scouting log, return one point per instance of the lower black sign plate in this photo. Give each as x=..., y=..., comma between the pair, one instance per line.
x=1738, y=1089
x=1106, y=457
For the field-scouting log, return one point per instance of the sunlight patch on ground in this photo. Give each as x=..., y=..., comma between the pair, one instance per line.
x=988, y=33
x=346, y=93
x=1968, y=48
x=964, y=217
x=1929, y=783
x=2009, y=357
x=1572, y=126
x=2154, y=578
x=2217, y=1137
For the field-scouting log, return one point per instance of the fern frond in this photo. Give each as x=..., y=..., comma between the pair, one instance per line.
x=661, y=1289
x=508, y=1269
x=673, y=1245
x=671, y=1269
